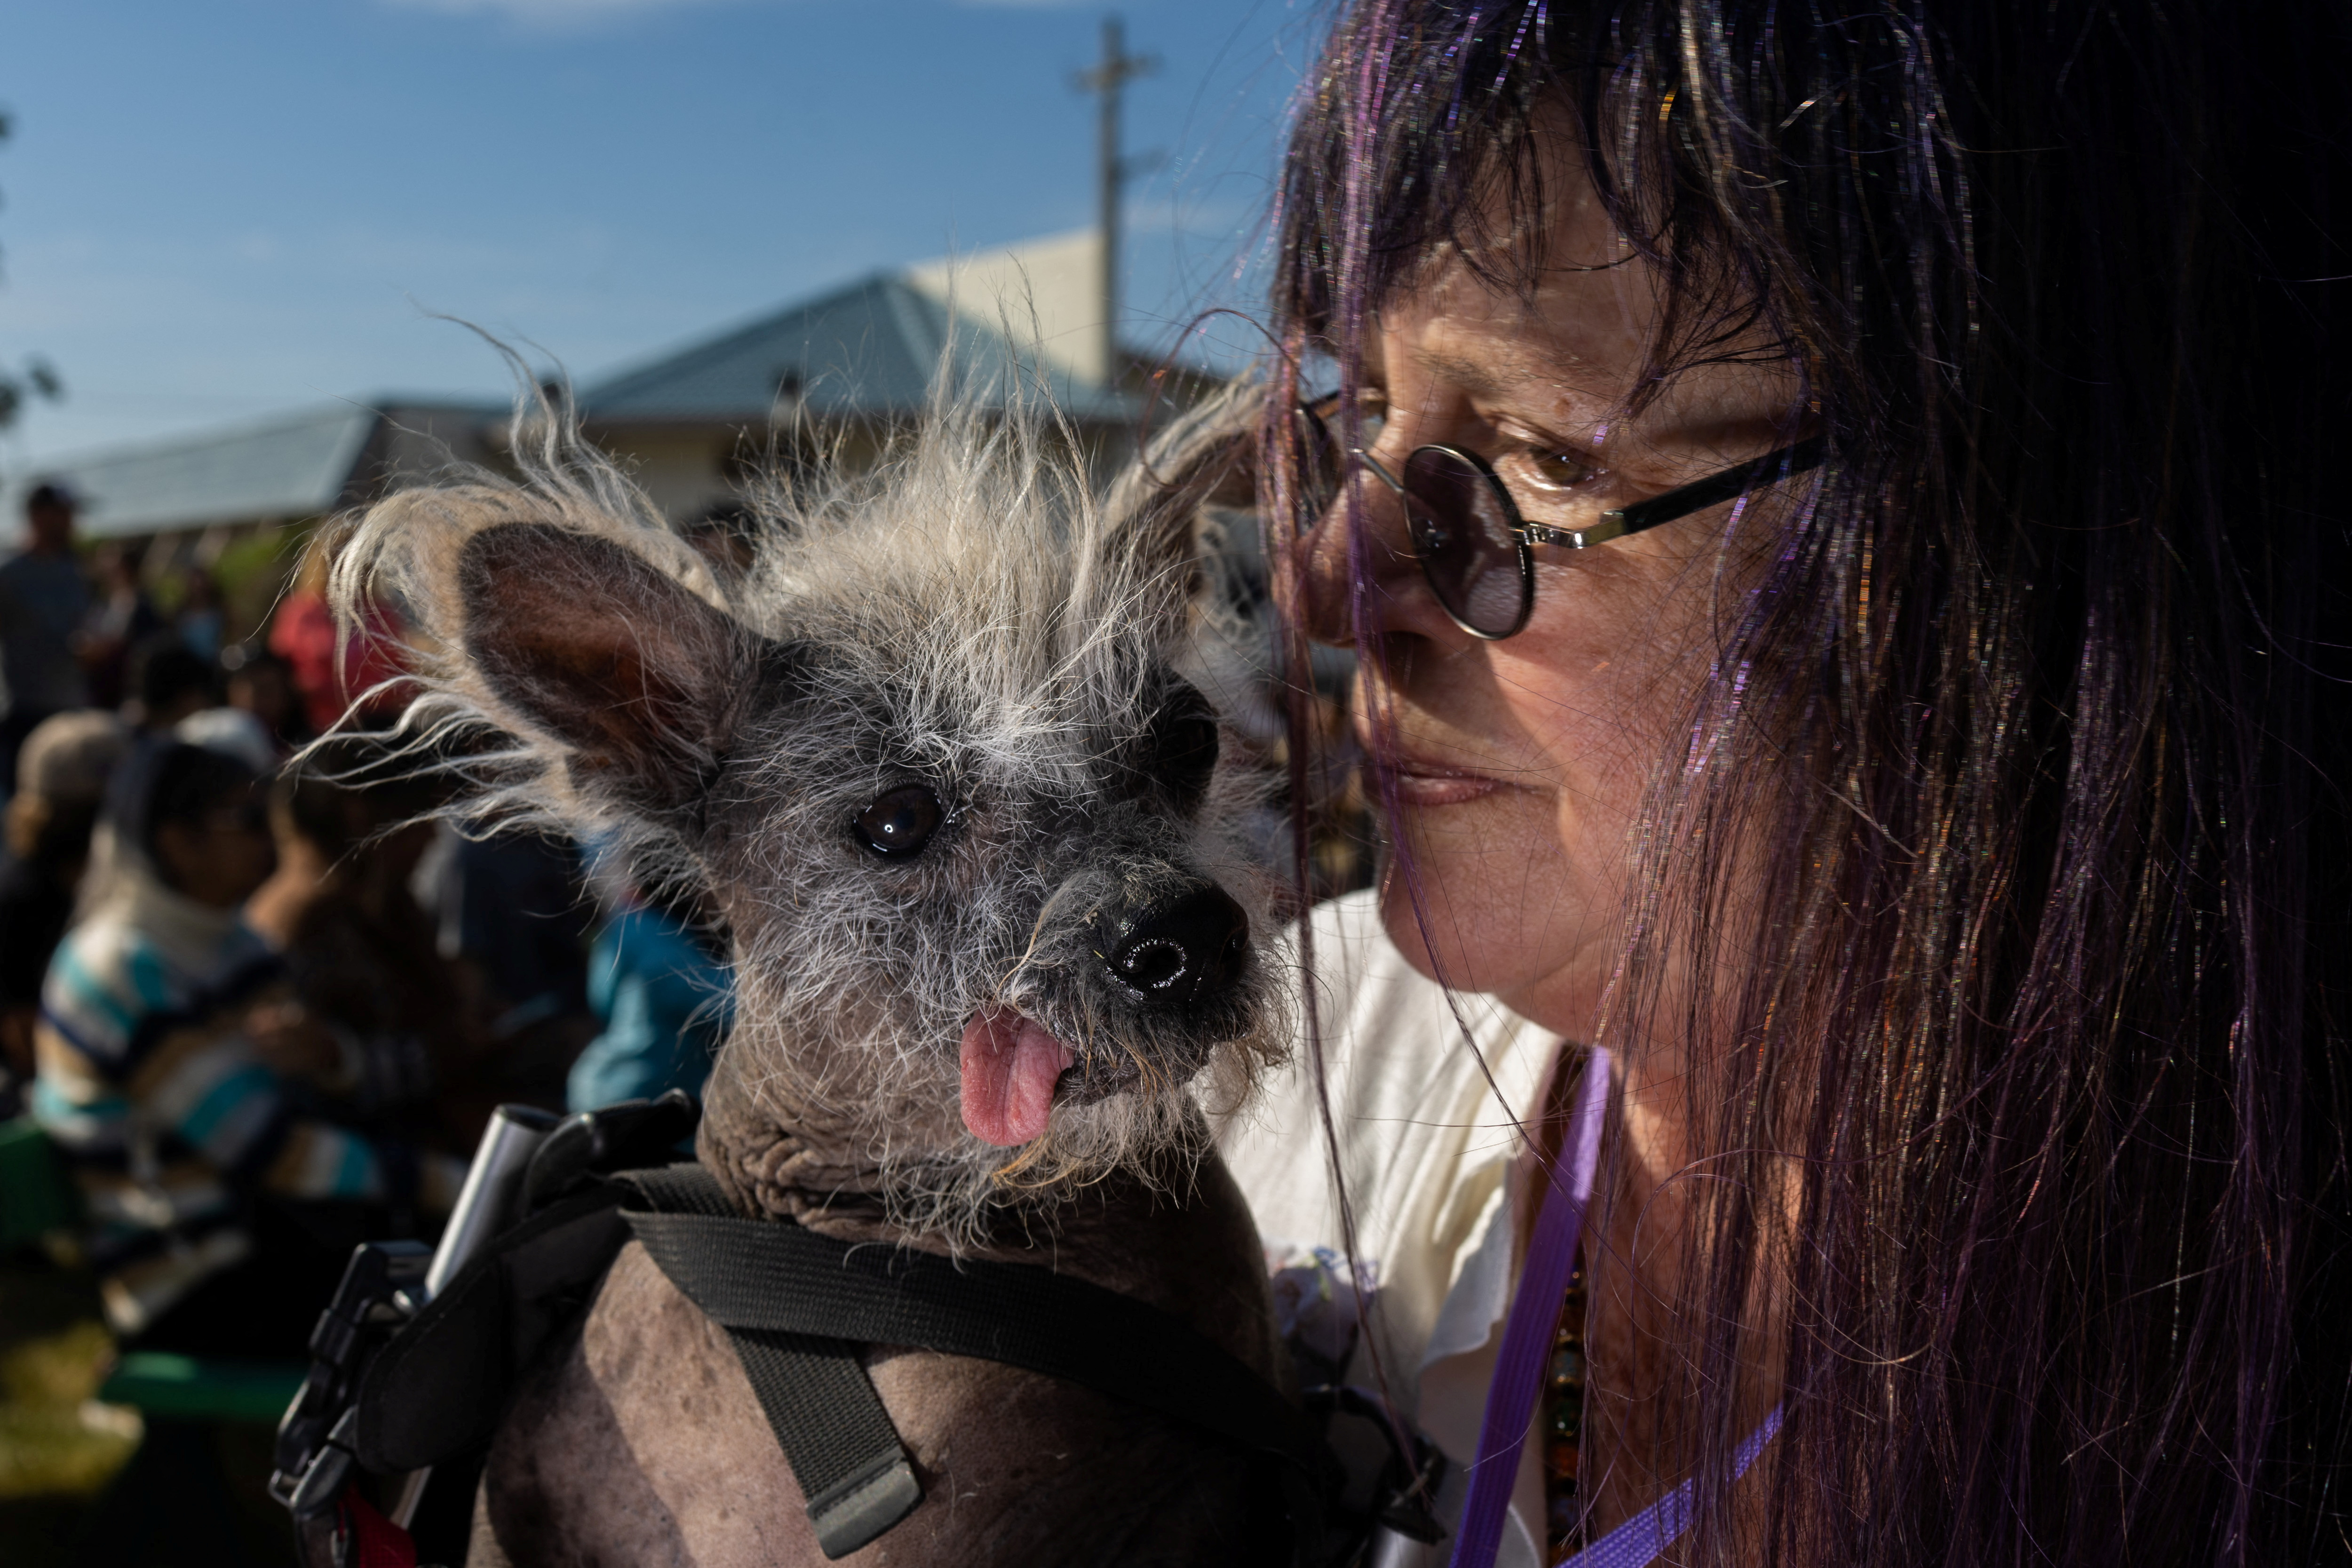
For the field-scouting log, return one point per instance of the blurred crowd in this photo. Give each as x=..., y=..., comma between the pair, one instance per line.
x=256, y=994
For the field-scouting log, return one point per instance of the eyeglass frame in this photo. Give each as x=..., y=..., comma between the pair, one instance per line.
x=1710, y=490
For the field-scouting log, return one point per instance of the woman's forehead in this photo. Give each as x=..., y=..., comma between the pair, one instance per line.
x=1580, y=338
x=1567, y=343
x=1571, y=307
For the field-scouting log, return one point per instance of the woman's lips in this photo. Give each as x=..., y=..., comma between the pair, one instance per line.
x=1426, y=785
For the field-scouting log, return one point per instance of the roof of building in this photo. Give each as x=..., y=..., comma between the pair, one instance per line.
x=293, y=465
x=1021, y=320
x=871, y=349
x=1044, y=291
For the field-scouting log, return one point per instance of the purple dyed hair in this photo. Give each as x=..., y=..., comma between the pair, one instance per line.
x=2047, y=1002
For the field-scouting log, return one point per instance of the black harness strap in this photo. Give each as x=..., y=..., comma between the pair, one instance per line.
x=775, y=1285
x=816, y=1394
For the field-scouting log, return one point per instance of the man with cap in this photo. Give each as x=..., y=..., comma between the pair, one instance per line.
x=44, y=598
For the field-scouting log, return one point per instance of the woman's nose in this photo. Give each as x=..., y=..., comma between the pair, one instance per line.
x=1319, y=575
x=1322, y=564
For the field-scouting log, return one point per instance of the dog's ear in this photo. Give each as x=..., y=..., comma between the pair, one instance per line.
x=1206, y=460
x=636, y=681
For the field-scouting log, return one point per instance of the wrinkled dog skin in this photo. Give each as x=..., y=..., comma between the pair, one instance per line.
x=932, y=756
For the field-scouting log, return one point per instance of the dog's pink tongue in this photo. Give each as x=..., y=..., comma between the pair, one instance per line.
x=1009, y=1068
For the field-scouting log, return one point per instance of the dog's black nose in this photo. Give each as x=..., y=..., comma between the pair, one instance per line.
x=1178, y=950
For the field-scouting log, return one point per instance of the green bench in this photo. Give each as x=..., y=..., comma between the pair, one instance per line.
x=202, y=1388
x=36, y=1196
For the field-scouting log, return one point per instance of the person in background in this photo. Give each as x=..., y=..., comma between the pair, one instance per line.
x=62, y=777
x=188, y=1088
x=260, y=684
x=167, y=683
x=44, y=599
x=200, y=621
x=515, y=905
x=359, y=951
x=658, y=982
x=122, y=618
x=333, y=672
x=233, y=732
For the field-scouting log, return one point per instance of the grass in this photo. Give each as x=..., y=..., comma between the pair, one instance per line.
x=54, y=1353
x=56, y=1450
x=53, y=1439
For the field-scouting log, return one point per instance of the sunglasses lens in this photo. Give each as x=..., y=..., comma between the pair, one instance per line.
x=1462, y=532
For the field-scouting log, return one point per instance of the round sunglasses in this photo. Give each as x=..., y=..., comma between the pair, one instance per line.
x=1474, y=547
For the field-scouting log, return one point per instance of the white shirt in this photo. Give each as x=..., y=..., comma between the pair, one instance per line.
x=1428, y=1139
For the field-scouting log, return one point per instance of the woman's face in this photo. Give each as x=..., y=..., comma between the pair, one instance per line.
x=1518, y=767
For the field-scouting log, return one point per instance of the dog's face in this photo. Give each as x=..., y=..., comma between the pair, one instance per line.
x=1015, y=902
x=961, y=811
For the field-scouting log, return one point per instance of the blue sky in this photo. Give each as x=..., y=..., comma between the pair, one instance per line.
x=216, y=211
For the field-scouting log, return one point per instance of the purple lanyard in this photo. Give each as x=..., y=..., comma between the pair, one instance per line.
x=1641, y=1540
x=1527, y=1343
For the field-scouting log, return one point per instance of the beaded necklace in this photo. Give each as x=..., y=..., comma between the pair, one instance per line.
x=1548, y=1276
x=1523, y=1371
x=1563, y=1428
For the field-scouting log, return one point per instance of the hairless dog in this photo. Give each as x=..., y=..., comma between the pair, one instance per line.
x=938, y=754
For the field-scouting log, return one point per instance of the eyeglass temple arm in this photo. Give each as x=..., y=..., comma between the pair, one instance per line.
x=1379, y=469
x=1685, y=500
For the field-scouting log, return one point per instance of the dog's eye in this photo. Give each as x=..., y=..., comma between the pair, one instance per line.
x=1184, y=745
x=897, y=824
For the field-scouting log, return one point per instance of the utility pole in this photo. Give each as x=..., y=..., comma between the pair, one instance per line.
x=1117, y=68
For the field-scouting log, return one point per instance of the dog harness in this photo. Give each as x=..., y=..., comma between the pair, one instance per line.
x=800, y=1307
x=800, y=1310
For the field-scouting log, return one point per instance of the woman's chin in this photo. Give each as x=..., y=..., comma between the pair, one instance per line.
x=1557, y=987
x=1470, y=948
x=1500, y=902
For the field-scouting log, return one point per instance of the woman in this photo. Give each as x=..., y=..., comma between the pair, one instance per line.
x=1935, y=824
